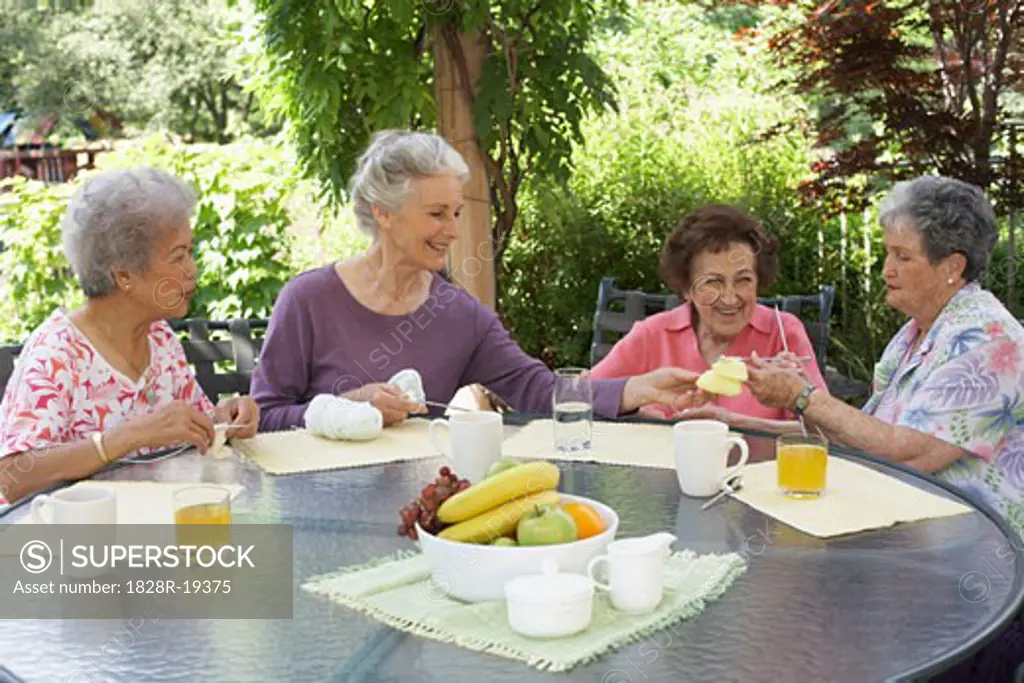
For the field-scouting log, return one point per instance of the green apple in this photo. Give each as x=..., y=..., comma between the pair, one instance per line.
x=502, y=465
x=546, y=525
x=504, y=540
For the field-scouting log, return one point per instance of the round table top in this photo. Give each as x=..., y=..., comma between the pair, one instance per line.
x=890, y=603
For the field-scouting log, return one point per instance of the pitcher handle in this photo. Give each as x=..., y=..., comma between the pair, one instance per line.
x=591, y=566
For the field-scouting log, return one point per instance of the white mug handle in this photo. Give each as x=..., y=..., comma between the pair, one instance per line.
x=591, y=566
x=741, y=443
x=40, y=503
x=432, y=431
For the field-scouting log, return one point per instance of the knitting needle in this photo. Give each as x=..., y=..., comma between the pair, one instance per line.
x=438, y=404
x=729, y=487
x=785, y=347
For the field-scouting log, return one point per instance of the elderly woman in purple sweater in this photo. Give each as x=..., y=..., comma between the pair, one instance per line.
x=346, y=328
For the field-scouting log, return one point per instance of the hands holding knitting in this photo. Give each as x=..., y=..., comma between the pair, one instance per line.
x=391, y=401
x=361, y=414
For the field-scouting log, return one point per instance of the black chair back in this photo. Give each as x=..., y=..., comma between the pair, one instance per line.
x=222, y=365
x=213, y=358
x=618, y=309
x=8, y=354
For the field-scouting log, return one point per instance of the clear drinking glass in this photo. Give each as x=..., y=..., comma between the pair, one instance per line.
x=202, y=515
x=572, y=410
x=802, y=464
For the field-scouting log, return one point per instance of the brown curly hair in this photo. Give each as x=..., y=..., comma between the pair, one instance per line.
x=713, y=228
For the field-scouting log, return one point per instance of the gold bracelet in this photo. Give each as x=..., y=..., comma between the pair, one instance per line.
x=97, y=440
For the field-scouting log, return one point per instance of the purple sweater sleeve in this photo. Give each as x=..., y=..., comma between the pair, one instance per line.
x=526, y=383
x=280, y=382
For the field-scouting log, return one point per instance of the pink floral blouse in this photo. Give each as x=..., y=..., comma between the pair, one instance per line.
x=63, y=390
x=964, y=384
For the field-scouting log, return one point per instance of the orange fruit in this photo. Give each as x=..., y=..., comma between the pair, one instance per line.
x=589, y=521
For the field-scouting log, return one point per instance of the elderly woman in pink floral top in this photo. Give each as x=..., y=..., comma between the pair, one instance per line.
x=110, y=379
x=949, y=390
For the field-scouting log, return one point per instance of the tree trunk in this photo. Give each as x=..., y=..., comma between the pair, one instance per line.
x=471, y=260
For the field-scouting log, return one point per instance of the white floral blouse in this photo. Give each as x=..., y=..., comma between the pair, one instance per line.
x=964, y=384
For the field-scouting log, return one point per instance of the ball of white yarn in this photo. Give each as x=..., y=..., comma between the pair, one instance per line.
x=411, y=384
x=334, y=417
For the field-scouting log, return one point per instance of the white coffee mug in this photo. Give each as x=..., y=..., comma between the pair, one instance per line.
x=702, y=450
x=87, y=504
x=635, y=574
x=475, y=442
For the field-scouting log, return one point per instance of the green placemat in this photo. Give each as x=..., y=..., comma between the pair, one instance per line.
x=397, y=591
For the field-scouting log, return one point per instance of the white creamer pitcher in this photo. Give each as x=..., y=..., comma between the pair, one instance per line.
x=635, y=571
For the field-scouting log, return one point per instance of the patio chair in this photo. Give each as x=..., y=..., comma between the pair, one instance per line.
x=618, y=309
x=8, y=354
x=209, y=357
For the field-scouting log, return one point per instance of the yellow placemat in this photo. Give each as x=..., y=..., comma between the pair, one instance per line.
x=856, y=498
x=297, y=451
x=144, y=502
x=614, y=443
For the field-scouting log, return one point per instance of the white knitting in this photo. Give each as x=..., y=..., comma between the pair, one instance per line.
x=335, y=417
x=410, y=382
x=220, y=448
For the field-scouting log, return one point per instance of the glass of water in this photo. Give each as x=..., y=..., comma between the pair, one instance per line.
x=573, y=410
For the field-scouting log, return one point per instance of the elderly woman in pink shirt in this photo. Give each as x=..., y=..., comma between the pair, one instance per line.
x=716, y=259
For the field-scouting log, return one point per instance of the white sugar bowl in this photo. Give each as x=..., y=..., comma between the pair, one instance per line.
x=549, y=605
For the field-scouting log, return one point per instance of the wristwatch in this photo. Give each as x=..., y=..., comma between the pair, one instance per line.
x=803, y=399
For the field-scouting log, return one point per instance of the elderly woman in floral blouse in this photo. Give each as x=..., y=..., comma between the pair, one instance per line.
x=949, y=390
x=110, y=379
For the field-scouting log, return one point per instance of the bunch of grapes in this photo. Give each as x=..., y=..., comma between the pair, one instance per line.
x=424, y=508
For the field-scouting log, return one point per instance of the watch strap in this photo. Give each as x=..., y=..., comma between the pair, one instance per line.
x=803, y=399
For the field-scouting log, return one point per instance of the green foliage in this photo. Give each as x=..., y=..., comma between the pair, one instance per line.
x=34, y=275
x=321, y=70
x=323, y=63
x=693, y=103
x=256, y=225
x=156, y=63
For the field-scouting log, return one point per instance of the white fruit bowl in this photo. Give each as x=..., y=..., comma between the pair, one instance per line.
x=475, y=573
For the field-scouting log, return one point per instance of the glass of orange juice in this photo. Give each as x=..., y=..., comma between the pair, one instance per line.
x=802, y=461
x=202, y=516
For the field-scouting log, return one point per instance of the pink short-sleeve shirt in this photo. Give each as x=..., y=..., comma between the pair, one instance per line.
x=63, y=390
x=669, y=339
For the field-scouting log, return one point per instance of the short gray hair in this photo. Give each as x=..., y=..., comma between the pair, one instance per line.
x=952, y=217
x=114, y=219
x=387, y=167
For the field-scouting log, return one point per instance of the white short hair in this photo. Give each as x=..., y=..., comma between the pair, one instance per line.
x=114, y=220
x=387, y=167
x=952, y=217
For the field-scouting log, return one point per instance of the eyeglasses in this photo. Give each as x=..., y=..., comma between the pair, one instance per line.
x=708, y=289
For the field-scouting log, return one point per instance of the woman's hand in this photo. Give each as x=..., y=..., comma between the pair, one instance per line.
x=171, y=424
x=775, y=386
x=709, y=411
x=242, y=415
x=393, y=404
x=673, y=387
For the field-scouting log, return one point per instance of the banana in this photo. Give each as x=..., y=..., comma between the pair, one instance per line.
x=498, y=521
x=491, y=492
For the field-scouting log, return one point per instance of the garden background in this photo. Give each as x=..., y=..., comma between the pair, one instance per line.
x=699, y=115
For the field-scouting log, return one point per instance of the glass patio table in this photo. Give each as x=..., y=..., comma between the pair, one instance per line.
x=894, y=603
